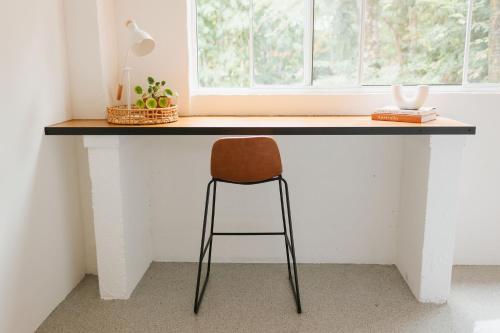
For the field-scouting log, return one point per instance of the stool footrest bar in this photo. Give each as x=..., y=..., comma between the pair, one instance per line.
x=248, y=233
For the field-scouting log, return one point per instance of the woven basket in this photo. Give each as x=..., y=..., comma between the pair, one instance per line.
x=121, y=115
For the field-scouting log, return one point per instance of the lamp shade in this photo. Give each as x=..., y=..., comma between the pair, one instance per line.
x=141, y=43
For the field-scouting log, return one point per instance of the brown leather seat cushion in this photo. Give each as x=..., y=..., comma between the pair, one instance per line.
x=245, y=160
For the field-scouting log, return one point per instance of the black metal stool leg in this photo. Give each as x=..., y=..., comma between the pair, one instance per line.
x=198, y=296
x=211, y=230
x=295, y=287
x=207, y=246
x=284, y=230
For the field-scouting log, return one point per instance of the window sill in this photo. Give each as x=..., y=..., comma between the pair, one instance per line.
x=358, y=101
x=363, y=90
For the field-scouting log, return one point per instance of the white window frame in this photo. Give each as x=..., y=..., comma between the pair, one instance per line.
x=256, y=95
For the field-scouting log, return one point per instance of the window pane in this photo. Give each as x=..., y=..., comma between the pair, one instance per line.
x=414, y=41
x=223, y=43
x=336, y=42
x=484, y=54
x=278, y=33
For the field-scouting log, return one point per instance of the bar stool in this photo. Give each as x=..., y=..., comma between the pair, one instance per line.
x=246, y=161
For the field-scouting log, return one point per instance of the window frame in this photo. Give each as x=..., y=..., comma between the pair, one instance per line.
x=308, y=87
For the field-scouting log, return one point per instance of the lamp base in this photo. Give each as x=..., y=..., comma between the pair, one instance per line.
x=119, y=92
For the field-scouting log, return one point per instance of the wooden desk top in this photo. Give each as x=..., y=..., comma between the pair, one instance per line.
x=272, y=125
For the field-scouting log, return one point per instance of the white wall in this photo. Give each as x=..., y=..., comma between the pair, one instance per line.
x=345, y=195
x=338, y=210
x=359, y=230
x=166, y=21
x=93, y=64
x=41, y=246
x=87, y=58
x=478, y=231
x=345, y=210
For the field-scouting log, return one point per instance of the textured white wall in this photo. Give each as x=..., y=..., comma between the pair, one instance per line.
x=41, y=245
x=344, y=196
x=478, y=229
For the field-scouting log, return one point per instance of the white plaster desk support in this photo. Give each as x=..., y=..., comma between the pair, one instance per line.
x=123, y=244
x=426, y=229
x=428, y=214
x=414, y=102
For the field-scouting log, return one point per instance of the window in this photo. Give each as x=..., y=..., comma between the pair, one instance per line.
x=336, y=42
x=414, y=41
x=278, y=48
x=484, y=54
x=346, y=43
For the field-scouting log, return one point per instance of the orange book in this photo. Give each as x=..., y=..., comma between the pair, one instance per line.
x=404, y=118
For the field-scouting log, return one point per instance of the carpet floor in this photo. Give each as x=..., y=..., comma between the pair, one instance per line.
x=258, y=298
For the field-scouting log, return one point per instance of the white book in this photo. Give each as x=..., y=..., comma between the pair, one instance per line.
x=429, y=117
x=396, y=110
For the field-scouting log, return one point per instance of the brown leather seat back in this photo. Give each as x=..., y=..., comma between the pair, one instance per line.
x=245, y=160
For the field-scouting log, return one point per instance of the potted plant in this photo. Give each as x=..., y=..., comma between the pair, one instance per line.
x=154, y=105
x=157, y=95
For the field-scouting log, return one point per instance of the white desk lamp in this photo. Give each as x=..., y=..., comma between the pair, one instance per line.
x=141, y=44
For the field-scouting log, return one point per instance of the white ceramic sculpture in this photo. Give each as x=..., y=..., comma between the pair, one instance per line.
x=414, y=102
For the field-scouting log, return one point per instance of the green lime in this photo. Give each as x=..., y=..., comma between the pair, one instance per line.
x=151, y=103
x=140, y=104
x=163, y=102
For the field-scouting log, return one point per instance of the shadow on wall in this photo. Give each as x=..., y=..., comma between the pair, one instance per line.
x=344, y=196
x=87, y=213
x=44, y=260
x=478, y=224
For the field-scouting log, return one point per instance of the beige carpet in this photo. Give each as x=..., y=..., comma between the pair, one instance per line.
x=258, y=298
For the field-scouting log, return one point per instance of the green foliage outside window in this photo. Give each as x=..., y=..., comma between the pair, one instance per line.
x=484, y=57
x=414, y=41
x=246, y=43
x=278, y=42
x=223, y=28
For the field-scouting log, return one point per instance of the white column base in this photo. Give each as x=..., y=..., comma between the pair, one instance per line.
x=123, y=245
x=429, y=193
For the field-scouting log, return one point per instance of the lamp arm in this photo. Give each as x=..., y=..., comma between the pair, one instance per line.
x=127, y=56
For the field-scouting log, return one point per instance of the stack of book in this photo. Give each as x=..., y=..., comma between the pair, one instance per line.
x=393, y=113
